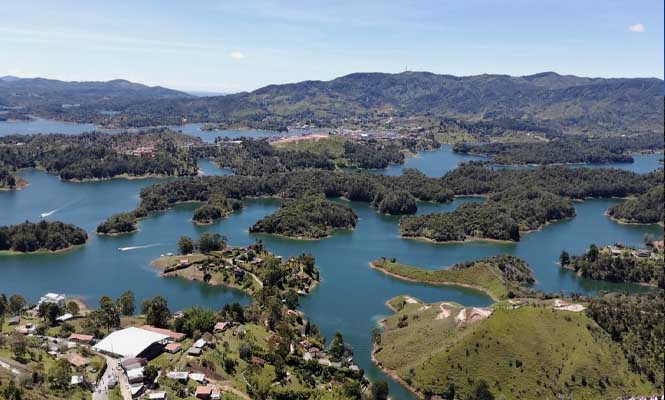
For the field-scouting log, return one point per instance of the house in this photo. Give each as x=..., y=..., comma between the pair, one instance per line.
x=643, y=253
x=175, y=336
x=135, y=375
x=14, y=320
x=26, y=329
x=194, y=351
x=314, y=351
x=203, y=392
x=64, y=317
x=133, y=363
x=81, y=338
x=325, y=362
x=55, y=298
x=172, y=348
x=221, y=326
x=76, y=360
x=199, y=344
x=132, y=342
x=307, y=357
x=76, y=380
x=157, y=396
x=178, y=376
x=198, y=377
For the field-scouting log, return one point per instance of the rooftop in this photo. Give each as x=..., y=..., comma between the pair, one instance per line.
x=129, y=342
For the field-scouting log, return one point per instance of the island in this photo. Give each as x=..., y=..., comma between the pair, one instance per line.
x=570, y=149
x=646, y=208
x=155, y=152
x=118, y=224
x=248, y=269
x=310, y=217
x=217, y=207
x=617, y=263
x=9, y=181
x=503, y=216
x=500, y=277
x=44, y=236
x=525, y=348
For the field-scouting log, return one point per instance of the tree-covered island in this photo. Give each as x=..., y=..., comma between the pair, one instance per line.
x=311, y=217
x=45, y=236
x=647, y=208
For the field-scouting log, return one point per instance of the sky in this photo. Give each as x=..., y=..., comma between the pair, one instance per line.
x=231, y=46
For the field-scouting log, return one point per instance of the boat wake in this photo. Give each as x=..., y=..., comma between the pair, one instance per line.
x=145, y=246
x=48, y=213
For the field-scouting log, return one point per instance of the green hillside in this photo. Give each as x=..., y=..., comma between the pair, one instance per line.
x=497, y=276
x=530, y=351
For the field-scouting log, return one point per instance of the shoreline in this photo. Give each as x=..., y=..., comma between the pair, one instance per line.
x=41, y=251
x=435, y=283
x=629, y=222
x=392, y=374
x=468, y=240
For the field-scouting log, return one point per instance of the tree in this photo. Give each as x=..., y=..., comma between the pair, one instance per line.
x=16, y=304
x=18, y=345
x=564, y=258
x=593, y=252
x=376, y=336
x=126, y=303
x=209, y=242
x=110, y=316
x=72, y=307
x=185, y=245
x=156, y=311
x=59, y=375
x=49, y=312
x=379, y=390
x=336, y=348
x=481, y=392
x=150, y=373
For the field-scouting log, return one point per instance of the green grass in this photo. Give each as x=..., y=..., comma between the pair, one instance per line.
x=528, y=352
x=332, y=145
x=482, y=276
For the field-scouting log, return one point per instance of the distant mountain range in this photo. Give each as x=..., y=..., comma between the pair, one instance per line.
x=564, y=103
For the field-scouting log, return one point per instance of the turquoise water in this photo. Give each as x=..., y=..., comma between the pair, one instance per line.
x=351, y=295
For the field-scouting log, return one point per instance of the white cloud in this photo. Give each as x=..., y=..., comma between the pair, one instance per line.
x=236, y=55
x=639, y=28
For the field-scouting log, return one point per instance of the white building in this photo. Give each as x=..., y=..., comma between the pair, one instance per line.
x=55, y=298
x=132, y=342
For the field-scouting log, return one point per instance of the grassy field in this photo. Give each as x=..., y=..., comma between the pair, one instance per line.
x=525, y=352
x=481, y=276
x=332, y=146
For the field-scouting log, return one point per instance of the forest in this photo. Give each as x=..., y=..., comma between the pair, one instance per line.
x=100, y=155
x=565, y=150
x=647, y=208
x=8, y=180
x=502, y=217
x=576, y=183
x=636, y=322
x=29, y=237
x=311, y=217
x=600, y=264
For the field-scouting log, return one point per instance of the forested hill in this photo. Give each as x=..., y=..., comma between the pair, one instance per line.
x=546, y=102
x=560, y=102
x=50, y=98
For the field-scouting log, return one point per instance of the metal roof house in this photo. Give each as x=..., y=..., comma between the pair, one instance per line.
x=132, y=342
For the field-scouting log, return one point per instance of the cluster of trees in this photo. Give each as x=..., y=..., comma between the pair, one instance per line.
x=503, y=216
x=647, y=208
x=308, y=217
x=357, y=186
x=125, y=222
x=625, y=268
x=566, y=150
x=372, y=155
x=101, y=156
x=44, y=235
x=7, y=178
x=636, y=322
x=207, y=243
x=513, y=269
x=578, y=183
x=216, y=207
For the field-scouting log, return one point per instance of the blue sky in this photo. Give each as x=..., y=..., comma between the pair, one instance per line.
x=232, y=46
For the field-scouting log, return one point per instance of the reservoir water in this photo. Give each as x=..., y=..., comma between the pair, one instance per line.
x=351, y=296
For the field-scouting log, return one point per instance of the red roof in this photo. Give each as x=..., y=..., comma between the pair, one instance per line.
x=81, y=337
x=204, y=390
x=173, y=347
x=220, y=326
x=172, y=335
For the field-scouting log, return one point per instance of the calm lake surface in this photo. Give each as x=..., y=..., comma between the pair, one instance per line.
x=351, y=296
